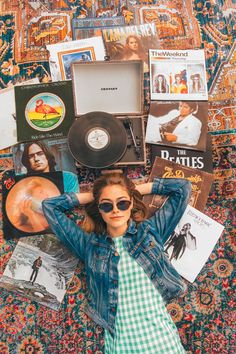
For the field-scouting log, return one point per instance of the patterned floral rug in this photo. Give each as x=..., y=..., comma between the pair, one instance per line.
x=205, y=315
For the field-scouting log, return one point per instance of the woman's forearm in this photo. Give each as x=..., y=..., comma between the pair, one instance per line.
x=85, y=198
x=145, y=188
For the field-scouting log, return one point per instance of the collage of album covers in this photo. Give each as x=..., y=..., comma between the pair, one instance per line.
x=40, y=268
x=92, y=116
x=178, y=75
x=192, y=242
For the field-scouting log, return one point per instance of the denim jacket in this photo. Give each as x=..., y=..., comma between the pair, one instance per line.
x=144, y=242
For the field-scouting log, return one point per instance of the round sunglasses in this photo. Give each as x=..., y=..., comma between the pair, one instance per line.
x=107, y=207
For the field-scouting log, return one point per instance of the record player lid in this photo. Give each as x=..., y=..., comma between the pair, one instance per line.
x=109, y=86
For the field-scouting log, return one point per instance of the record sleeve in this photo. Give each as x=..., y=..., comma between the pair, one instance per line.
x=201, y=160
x=44, y=110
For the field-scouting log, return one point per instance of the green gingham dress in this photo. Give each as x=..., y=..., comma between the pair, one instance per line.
x=143, y=324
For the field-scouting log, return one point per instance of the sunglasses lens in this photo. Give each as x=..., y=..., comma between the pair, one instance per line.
x=105, y=207
x=123, y=204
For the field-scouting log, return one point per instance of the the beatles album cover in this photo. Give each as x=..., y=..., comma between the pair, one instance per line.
x=44, y=110
x=178, y=124
x=201, y=183
x=40, y=269
x=201, y=160
x=178, y=75
x=22, y=202
x=192, y=242
x=130, y=42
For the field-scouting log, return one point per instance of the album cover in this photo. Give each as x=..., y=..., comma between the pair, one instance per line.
x=56, y=152
x=201, y=160
x=44, y=110
x=22, y=202
x=201, y=183
x=91, y=27
x=61, y=55
x=192, y=242
x=8, y=115
x=40, y=268
x=178, y=123
x=130, y=42
x=178, y=75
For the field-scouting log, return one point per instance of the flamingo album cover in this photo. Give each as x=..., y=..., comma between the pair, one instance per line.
x=44, y=110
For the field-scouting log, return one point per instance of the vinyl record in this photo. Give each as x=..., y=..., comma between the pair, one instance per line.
x=97, y=139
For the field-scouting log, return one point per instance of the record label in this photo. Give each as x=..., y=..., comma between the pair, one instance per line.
x=97, y=140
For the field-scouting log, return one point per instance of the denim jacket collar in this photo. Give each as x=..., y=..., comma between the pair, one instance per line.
x=132, y=229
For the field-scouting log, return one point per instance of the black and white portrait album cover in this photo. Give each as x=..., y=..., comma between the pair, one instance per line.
x=192, y=242
x=40, y=268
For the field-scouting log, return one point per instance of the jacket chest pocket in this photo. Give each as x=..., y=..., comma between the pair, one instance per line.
x=151, y=248
x=99, y=260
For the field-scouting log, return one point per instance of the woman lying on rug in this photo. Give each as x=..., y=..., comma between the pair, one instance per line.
x=129, y=277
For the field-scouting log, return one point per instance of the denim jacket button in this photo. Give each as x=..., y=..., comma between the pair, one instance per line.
x=116, y=254
x=152, y=244
x=153, y=275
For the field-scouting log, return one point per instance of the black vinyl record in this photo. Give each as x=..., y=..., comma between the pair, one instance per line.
x=97, y=139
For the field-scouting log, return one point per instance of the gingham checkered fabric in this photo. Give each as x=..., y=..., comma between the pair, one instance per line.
x=143, y=324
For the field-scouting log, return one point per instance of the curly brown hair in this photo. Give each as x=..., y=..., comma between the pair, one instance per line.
x=93, y=220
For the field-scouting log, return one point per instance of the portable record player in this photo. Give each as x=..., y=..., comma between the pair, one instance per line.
x=115, y=88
